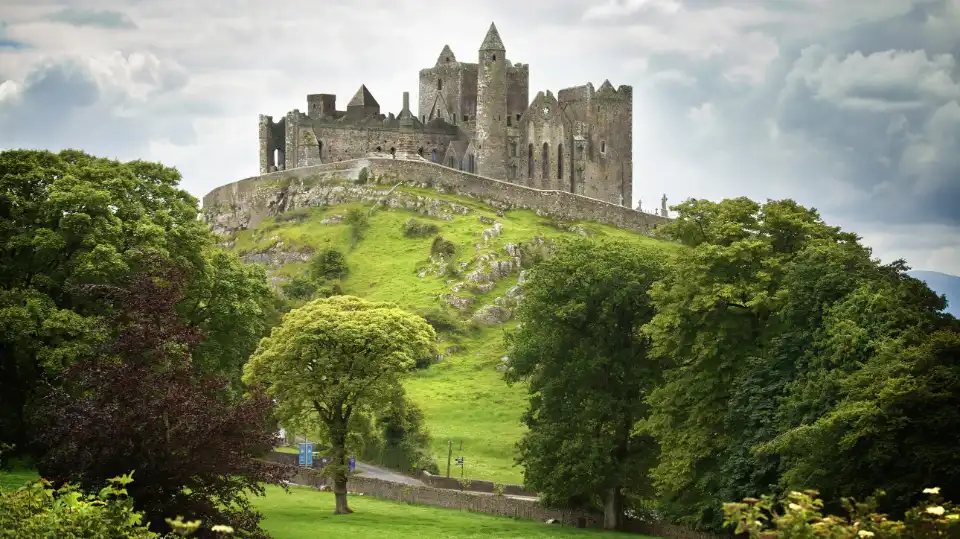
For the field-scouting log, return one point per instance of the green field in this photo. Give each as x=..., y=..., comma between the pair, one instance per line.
x=305, y=513
x=464, y=399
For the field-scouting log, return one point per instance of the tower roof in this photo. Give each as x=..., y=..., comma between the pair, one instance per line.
x=492, y=41
x=363, y=98
x=446, y=56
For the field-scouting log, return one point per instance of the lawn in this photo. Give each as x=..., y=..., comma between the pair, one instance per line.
x=12, y=480
x=305, y=513
x=464, y=398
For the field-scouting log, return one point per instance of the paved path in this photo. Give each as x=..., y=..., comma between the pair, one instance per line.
x=369, y=470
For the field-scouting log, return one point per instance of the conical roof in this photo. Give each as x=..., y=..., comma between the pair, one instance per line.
x=363, y=98
x=606, y=85
x=492, y=41
x=446, y=56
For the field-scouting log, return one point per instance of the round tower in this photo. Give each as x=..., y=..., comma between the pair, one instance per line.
x=491, y=145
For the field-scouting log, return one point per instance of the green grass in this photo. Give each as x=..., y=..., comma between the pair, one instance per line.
x=306, y=513
x=463, y=398
x=16, y=478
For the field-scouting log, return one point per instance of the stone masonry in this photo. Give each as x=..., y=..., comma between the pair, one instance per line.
x=477, y=118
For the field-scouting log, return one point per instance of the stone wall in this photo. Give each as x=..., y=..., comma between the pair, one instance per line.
x=475, y=485
x=502, y=506
x=255, y=198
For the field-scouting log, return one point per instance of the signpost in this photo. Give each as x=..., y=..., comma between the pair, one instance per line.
x=460, y=464
x=306, y=454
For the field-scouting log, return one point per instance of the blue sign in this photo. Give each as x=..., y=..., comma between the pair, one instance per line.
x=459, y=461
x=353, y=464
x=306, y=454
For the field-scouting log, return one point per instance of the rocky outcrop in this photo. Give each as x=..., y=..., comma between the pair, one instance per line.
x=492, y=315
x=277, y=255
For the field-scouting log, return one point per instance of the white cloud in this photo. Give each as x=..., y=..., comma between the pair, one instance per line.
x=851, y=107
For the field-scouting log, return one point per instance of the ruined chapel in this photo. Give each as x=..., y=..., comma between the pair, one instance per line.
x=478, y=118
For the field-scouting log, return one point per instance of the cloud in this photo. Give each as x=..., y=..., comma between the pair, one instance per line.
x=9, y=44
x=849, y=107
x=99, y=19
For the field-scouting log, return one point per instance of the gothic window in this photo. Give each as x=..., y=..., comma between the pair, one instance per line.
x=530, y=161
x=560, y=161
x=320, y=148
x=471, y=164
x=508, y=120
x=439, y=84
x=494, y=58
x=603, y=146
x=545, y=156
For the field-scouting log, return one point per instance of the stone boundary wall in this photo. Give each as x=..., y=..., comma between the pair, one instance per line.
x=255, y=192
x=476, y=485
x=492, y=505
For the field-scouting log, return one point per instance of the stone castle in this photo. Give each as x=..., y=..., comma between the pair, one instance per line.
x=477, y=118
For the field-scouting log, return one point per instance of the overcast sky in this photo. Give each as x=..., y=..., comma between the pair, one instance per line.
x=849, y=106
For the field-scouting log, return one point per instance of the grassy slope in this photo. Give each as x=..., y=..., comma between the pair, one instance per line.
x=463, y=398
x=306, y=513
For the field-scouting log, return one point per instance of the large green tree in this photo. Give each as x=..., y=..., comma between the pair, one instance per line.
x=775, y=328
x=586, y=364
x=336, y=358
x=70, y=219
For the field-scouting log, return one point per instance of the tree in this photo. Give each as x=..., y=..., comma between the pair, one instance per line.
x=579, y=348
x=730, y=331
x=142, y=404
x=71, y=219
x=334, y=358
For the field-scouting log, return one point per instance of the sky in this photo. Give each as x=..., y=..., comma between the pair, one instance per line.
x=848, y=106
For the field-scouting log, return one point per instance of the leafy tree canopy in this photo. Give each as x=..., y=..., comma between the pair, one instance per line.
x=580, y=350
x=335, y=357
x=70, y=219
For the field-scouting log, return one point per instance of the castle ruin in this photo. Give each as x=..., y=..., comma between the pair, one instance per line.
x=477, y=118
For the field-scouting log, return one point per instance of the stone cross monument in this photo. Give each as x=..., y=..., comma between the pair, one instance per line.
x=663, y=206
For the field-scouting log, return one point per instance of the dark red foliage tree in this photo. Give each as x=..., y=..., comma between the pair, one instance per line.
x=141, y=405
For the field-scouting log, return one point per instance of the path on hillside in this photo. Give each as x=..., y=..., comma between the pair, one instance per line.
x=376, y=472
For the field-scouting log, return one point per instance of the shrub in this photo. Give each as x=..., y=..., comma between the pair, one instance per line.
x=363, y=177
x=442, y=247
x=327, y=265
x=799, y=515
x=299, y=288
x=413, y=228
x=38, y=510
x=442, y=320
x=358, y=222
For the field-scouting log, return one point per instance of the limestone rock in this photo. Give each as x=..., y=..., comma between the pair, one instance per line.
x=332, y=220
x=486, y=220
x=492, y=232
x=504, y=364
x=492, y=315
x=460, y=303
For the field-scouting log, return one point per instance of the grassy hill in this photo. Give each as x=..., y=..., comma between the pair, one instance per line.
x=463, y=396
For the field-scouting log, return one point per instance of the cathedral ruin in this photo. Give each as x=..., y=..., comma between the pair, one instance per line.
x=478, y=118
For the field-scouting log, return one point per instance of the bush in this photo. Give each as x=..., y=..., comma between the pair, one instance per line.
x=442, y=247
x=329, y=264
x=442, y=320
x=358, y=222
x=300, y=288
x=38, y=510
x=799, y=515
x=413, y=228
x=363, y=177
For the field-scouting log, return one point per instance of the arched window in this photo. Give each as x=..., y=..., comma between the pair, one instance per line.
x=439, y=84
x=545, y=173
x=320, y=148
x=530, y=161
x=560, y=161
x=471, y=164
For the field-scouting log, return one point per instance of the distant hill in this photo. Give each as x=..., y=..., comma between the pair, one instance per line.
x=944, y=284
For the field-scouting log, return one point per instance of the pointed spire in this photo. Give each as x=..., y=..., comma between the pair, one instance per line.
x=606, y=85
x=446, y=56
x=492, y=41
x=363, y=98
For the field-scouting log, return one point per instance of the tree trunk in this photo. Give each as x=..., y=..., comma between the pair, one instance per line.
x=338, y=441
x=613, y=509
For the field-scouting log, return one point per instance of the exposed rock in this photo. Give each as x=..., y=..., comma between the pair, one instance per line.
x=492, y=232
x=486, y=220
x=332, y=220
x=483, y=288
x=515, y=291
x=500, y=269
x=512, y=249
x=453, y=349
x=460, y=303
x=522, y=278
x=504, y=364
x=492, y=315
x=275, y=258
